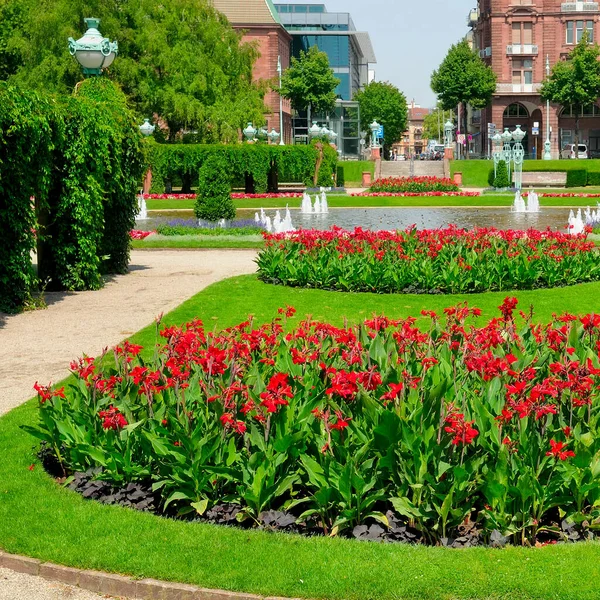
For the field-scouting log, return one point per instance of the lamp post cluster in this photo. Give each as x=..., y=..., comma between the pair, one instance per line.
x=252, y=134
x=511, y=154
x=316, y=131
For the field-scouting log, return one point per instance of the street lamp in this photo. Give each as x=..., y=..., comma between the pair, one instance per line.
x=93, y=52
x=279, y=72
x=448, y=133
x=518, y=155
x=262, y=133
x=374, y=130
x=497, y=155
x=547, y=143
x=250, y=133
x=507, y=150
x=315, y=131
x=146, y=128
x=273, y=136
x=332, y=135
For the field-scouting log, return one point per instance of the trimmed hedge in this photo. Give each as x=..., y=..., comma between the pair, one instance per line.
x=81, y=158
x=214, y=191
x=258, y=167
x=577, y=178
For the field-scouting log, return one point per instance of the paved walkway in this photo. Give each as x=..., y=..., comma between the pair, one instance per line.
x=39, y=345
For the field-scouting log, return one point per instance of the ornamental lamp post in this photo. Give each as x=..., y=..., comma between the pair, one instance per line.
x=448, y=133
x=497, y=154
x=146, y=128
x=332, y=136
x=279, y=72
x=374, y=127
x=507, y=150
x=547, y=143
x=249, y=133
x=518, y=156
x=315, y=131
x=93, y=52
x=262, y=133
x=273, y=136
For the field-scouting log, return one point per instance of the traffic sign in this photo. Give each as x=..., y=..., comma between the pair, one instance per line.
x=380, y=135
x=491, y=127
x=535, y=131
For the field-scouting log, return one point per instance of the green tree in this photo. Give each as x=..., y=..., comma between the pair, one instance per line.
x=310, y=83
x=463, y=78
x=178, y=59
x=502, y=181
x=433, y=126
x=576, y=81
x=214, y=190
x=385, y=103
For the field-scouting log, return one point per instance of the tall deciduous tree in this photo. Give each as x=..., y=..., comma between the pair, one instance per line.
x=179, y=59
x=385, y=103
x=433, y=126
x=463, y=78
x=575, y=81
x=310, y=83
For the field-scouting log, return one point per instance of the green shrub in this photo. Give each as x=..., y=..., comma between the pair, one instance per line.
x=340, y=177
x=577, y=178
x=214, y=190
x=593, y=178
x=26, y=142
x=491, y=177
x=502, y=180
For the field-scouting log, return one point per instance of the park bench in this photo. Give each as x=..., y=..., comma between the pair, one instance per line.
x=543, y=178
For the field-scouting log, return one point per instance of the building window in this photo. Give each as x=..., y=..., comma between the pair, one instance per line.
x=522, y=72
x=575, y=31
x=516, y=110
x=591, y=110
x=522, y=33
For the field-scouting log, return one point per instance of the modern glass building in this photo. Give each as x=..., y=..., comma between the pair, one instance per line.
x=350, y=55
x=350, y=51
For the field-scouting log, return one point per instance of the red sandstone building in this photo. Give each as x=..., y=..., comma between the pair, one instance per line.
x=514, y=37
x=260, y=22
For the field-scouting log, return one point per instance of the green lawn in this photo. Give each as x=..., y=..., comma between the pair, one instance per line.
x=198, y=241
x=475, y=172
x=38, y=518
x=353, y=170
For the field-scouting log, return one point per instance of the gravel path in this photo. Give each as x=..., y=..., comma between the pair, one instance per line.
x=39, y=345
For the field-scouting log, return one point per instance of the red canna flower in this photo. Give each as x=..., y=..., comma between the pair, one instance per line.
x=557, y=450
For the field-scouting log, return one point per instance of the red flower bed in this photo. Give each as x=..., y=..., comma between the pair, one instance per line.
x=447, y=260
x=137, y=234
x=566, y=195
x=442, y=431
x=414, y=184
x=169, y=196
x=417, y=194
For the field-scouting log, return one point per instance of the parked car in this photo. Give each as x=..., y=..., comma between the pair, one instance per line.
x=568, y=151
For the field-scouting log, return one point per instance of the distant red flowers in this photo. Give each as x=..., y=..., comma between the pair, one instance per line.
x=414, y=184
x=137, y=234
x=417, y=194
x=235, y=196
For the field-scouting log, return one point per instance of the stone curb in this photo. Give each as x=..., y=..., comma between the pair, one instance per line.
x=118, y=585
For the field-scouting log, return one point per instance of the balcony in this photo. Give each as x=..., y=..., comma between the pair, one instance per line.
x=518, y=88
x=485, y=53
x=587, y=7
x=473, y=17
x=522, y=50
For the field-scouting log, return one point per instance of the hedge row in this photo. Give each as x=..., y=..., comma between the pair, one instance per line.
x=255, y=167
x=69, y=171
x=575, y=177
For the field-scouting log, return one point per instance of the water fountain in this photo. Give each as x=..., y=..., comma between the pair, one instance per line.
x=576, y=224
x=142, y=213
x=592, y=217
x=532, y=205
x=277, y=224
x=268, y=225
x=320, y=207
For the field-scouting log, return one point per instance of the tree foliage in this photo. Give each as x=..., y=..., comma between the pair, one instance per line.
x=179, y=59
x=385, y=103
x=433, y=126
x=575, y=81
x=463, y=78
x=310, y=83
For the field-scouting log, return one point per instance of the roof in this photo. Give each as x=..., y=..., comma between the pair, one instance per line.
x=248, y=12
x=417, y=114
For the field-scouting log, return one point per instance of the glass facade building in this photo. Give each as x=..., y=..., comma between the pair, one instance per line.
x=350, y=53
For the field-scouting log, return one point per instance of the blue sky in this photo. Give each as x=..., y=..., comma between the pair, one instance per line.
x=410, y=37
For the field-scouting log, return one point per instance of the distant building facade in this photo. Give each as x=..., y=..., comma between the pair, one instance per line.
x=514, y=37
x=260, y=22
x=413, y=141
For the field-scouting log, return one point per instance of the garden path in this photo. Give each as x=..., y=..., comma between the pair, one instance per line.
x=39, y=345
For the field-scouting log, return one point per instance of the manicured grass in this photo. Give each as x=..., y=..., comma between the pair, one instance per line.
x=40, y=519
x=475, y=172
x=353, y=170
x=198, y=241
